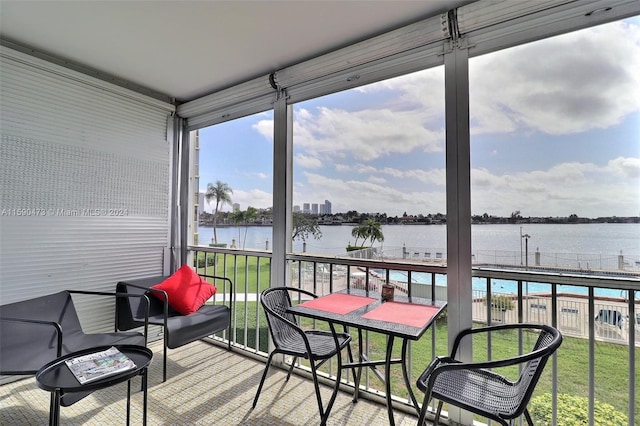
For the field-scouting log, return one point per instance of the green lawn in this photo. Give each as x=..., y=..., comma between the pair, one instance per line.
x=611, y=360
x=241, y=271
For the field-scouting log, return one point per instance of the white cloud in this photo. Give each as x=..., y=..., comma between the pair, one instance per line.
x=564, y=85
x=265, y=128
x=567, y=84
x=368, y=196
x=422, y=91
x=582, y=188
x=629, y=167
x=428, y=176
x=307, y=162
x=254, y=198
x=365, y=135
x=377, y=180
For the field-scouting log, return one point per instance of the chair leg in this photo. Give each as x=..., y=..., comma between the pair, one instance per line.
x=437, y=419
x=264, y=376
x=164, y=361
x=528, y=417
x=293, y=364
x=335, y=390
x=423, y=410
x=318, y=396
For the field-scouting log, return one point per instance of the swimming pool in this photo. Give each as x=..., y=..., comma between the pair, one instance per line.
x=504, y=286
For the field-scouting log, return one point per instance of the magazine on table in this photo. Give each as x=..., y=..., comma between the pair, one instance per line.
x=94, y=366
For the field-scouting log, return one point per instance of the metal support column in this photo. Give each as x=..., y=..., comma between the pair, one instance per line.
x=458, y=163
x=282, y=189
x=176, y=253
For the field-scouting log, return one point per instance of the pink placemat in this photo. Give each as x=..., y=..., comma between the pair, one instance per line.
x=338, y=303
x=403, y=313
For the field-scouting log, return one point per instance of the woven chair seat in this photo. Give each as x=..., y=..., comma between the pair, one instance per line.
x=321, y=342
x=480, y=389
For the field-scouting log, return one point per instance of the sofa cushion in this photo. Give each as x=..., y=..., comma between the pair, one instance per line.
x=186, y=291
x=207, y=320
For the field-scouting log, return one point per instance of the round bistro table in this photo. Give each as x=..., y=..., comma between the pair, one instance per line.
x=56, y=378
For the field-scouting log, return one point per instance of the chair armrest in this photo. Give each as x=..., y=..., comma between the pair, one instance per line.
x=307, y=292
x=217, y=277
x=165, y=300
x=116, y=295
x=53, y=324
x=520, y=359
x=488, y=329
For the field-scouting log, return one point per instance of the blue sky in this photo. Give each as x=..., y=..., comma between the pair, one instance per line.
x=555, y=130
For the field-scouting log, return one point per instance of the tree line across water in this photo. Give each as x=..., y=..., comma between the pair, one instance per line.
x=366, y=226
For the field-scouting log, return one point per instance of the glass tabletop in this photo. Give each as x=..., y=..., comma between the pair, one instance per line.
x=403, y=317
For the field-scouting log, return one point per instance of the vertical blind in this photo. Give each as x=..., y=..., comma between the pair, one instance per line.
x=84, y=183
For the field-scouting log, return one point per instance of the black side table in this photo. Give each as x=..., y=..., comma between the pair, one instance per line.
x=56, y=378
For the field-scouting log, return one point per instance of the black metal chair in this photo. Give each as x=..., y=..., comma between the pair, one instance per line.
x=472, y=386
x=290, y=339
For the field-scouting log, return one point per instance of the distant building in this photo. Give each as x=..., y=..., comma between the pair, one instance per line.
x=314, y=208
x=236, y=207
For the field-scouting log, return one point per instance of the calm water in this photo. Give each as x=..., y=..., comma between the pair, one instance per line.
x=604, y=239
x=607, y=240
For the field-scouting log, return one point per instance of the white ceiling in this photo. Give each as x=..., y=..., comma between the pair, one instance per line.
x=186, y=49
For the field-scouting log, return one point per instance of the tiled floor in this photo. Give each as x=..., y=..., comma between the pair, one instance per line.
x=207, y=385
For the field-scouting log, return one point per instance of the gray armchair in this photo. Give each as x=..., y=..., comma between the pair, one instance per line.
x=178, y=329
x=36, y=331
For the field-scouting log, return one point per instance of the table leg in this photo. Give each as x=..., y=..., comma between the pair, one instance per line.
x=54, y=409
x=350, y=355
x=128, y=401
x=405, y=373
x=144, y=397
x=387, y=381
x=359, y=373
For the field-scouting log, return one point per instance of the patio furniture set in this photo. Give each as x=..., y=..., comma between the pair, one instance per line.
x=471, y=386
x=37, y=335
x=40, y=335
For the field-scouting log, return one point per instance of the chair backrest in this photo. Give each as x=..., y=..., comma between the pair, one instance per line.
x=283, y=325
x=131, y=310
x=549, y=339
x=25, y=347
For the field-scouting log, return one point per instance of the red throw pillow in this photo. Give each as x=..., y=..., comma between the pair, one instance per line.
x=186, y=291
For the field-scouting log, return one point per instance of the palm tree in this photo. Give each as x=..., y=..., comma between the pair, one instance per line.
x=370, y=230
x=249, y=215
x=245, y=217
x=221, y=192
x=237, y=217
x=358, y=232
